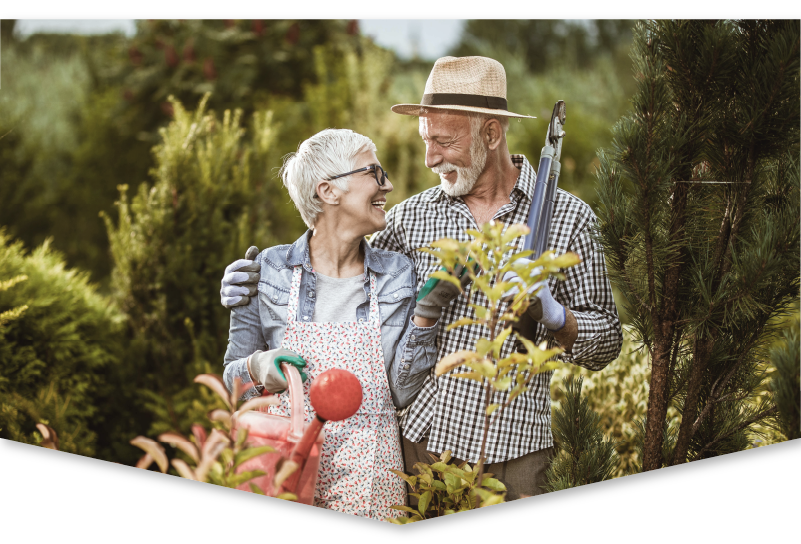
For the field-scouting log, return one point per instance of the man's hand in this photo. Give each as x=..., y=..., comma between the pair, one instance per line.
x=265, y=366
x=431, y=304
x=542, y=306
x=240, y=280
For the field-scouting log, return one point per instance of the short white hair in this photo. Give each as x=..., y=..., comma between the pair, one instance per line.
x=328, y=153
x=477, y=120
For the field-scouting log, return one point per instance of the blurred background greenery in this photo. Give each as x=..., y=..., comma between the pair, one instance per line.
x=134, y=168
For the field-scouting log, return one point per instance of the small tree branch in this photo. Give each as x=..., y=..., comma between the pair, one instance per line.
x=740, y=427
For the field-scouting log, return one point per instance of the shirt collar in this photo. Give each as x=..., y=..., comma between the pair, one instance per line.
x=298, y=254
x=524, y=185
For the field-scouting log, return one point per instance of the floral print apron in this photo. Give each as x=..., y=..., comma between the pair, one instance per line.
x=358, y=453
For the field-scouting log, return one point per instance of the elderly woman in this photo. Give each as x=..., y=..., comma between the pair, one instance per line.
x=331, y=301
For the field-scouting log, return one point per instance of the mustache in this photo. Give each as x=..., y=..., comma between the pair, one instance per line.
x=444, y=168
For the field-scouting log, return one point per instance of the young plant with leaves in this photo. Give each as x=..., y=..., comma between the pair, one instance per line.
x=217, y=457
x=487, y=256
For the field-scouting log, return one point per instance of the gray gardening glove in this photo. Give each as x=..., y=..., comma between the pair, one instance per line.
x=431, y=301
x=240, y=280
x=542, y=308
x=266, y=367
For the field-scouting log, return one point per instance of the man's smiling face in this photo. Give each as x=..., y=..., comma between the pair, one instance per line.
x=452, y=150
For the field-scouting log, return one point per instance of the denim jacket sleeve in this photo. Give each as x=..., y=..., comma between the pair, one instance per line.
x=415, y=356
x=245, y=336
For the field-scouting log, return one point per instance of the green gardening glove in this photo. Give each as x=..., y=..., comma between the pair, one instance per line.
x=266, y=367
x=436, y=295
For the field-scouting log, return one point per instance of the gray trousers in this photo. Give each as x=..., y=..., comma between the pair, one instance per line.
x=524, y=476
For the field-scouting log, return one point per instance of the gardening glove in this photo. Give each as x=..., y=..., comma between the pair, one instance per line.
x=430, y=303
x=266, y=367
x=240, y=280
x=542, y=306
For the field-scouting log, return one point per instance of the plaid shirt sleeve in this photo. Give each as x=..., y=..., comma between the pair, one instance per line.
x=587, y=293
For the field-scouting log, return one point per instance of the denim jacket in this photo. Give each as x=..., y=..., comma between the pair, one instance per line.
x=409, y=351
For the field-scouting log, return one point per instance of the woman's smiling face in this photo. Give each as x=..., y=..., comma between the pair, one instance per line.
x=364, y=203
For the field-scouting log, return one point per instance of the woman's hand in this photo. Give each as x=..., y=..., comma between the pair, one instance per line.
x=430, y=306
x=265, y=367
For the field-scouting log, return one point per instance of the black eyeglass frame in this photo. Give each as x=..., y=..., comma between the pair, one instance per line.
x=374, y=167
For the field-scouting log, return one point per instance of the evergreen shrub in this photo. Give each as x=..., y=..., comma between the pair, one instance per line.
x=58, y=338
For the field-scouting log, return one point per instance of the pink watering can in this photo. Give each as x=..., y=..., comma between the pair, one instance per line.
x=335, y=395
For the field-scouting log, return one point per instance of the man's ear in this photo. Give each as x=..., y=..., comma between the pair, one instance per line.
x=327, y=193
x=493, y=133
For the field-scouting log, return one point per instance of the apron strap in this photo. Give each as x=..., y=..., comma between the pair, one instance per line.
x=374, y=316
x=294, y=294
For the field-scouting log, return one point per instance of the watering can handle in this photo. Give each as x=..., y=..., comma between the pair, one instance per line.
x=295, y=400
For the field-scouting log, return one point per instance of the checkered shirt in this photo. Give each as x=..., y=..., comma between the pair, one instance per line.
x=450, y=410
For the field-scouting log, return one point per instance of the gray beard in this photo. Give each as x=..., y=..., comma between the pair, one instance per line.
x=466, y=177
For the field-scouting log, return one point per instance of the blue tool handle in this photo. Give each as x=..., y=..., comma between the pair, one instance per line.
x=544, y=228
x=537, y=200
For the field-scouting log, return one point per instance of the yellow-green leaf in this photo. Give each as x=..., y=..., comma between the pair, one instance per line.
x=454, y=360
x=502, y=384
x=446, y=276
x=461, y=322
x=492, y=407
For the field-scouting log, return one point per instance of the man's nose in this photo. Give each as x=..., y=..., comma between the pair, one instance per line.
x=387, y=187
x=433, y=157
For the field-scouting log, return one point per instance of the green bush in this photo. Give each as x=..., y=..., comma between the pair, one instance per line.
x=54, y=353
x=170, y=246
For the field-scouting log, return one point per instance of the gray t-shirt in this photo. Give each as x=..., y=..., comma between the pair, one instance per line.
x=338, y=298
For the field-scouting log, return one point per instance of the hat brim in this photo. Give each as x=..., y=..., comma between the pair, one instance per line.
x=414, y=109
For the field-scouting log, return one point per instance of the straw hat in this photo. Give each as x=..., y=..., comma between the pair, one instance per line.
x=465, y=84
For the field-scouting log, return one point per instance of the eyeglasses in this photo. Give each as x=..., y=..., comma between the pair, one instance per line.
x=379, y=179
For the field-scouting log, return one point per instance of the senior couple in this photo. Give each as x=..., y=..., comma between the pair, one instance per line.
x=333, y=300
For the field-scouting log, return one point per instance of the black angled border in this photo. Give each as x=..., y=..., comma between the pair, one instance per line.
x=448, y=524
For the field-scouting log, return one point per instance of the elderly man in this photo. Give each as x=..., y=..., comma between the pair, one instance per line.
x=463, y=120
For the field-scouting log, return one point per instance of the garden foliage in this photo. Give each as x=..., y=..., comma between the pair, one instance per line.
x=58, y=338
x=441, y=488
x=699, y=222
x=583, y=454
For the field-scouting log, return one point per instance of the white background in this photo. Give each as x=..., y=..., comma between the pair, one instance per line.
x=38, y=501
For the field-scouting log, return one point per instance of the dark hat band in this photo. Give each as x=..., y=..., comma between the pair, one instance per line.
x=473, y=100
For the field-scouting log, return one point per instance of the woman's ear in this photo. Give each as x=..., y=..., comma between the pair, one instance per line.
x=327, y=193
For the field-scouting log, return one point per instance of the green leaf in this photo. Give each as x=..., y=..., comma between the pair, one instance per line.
x=462, y=322
x=439, y=485
x=514, y=231
x=445, y=456
x=422, y=505
x=483, y=346
x=287, y=496
x=493, y=484
x=446, y=243
x=502, y=384
x=492, y=407
x=403, y=508
x=250, y=453
x=255, y=489
x=484, y=367
x=469, y=376
x=446, y=276
x=243, y=477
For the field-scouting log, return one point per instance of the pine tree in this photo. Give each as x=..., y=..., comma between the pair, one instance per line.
x=699, y=221
x=786, y=382
x=583, y=455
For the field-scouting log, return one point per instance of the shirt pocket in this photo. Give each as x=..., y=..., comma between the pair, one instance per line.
x=394, y=306
x=274, y=300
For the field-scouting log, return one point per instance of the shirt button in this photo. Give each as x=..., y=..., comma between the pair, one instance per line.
x=305, y=318
x=412, y=337
x=311, y=294
x=406, y=365
x=361, y=319
x=395, y=295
